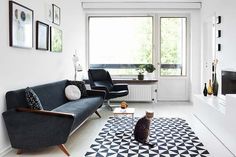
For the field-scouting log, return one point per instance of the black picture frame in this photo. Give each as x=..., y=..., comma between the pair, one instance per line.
x=218, y=20
x=218, y=33
x=56, y=16
x=42, y=36
x=21, y=29
x=56, y=42
x=219, y=47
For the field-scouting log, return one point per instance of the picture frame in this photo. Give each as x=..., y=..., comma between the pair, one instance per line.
x=55, y=40
x=20, y=25
x=42, y=36
x=48, y=12
x=218, y=33
x=56, y=15
x=218, y=19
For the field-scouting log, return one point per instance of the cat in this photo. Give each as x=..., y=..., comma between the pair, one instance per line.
x=142, y=129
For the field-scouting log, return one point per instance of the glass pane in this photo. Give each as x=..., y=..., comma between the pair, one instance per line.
x=173, y=46
x=120, y=40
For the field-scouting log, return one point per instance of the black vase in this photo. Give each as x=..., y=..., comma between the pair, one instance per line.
x=205, y=90
x=140, y=77
x=215, y=86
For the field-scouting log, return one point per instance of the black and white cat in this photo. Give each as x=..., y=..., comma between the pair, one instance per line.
x=142, y=129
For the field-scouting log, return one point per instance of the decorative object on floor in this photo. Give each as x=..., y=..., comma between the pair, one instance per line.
x=21, y=25
x=77, y=66
x=123, y=105
x=142, y=129
x=209, y=88
x=173, y=137
x=56, y=14
x=42, y=35
x=205, y=89
x=55, y=39
x=141, y=70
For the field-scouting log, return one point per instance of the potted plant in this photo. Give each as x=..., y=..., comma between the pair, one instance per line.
x=149, y=68
x=141, y=70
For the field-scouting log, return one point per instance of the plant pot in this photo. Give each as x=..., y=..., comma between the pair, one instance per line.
x=140, y=77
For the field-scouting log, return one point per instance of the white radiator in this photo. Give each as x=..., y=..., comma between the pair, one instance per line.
x=141, y=93
x=144, y=93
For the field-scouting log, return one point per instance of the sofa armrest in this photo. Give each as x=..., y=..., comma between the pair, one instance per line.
x=29, y=129
x=119, y=87
x=101, y=93
x=44, y=112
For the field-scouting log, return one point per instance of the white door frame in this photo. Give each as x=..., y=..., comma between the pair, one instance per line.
x=169, y=87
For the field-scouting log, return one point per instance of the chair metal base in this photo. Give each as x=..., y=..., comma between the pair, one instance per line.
x=109, y=105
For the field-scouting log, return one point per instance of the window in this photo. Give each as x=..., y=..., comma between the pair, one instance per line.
x=173, y=46
x=120, y=44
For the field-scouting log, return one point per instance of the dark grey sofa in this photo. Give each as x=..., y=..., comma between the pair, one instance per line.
x=31, y=129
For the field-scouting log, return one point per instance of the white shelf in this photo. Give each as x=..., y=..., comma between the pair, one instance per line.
x=218, y=114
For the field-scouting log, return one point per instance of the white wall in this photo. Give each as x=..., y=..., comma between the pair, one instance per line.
x=20, y=68
x=225, y=9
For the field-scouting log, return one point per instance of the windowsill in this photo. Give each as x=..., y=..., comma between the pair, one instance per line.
x=130, y=81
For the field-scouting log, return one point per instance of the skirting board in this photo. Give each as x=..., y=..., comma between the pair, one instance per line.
x=5, y=151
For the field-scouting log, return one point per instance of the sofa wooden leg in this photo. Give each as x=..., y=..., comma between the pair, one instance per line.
x=63, y=148
x=98, y=114
x=19, y=151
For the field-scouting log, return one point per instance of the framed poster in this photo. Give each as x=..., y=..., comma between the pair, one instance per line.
x=56, y=14
x=20, y=25
x=55, y=39
x=42, y=34
x=48, y=12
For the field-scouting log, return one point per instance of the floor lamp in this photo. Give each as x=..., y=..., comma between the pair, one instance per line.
x=77, y=66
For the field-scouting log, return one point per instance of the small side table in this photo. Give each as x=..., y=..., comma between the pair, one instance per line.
x=125, y=112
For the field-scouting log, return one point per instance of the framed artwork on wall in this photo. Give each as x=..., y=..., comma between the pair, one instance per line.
x=42, y=34
x=55, y=39
x=20, y=25
x=48, y=12
x=56, y=14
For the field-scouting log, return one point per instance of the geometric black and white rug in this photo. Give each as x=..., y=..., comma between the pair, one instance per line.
x=173, y=138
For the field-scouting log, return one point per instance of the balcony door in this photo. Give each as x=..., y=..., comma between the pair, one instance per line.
x=173, y=55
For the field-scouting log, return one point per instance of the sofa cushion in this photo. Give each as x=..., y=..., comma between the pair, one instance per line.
x=81, y=86
x=72, y=92
x=82, y=108
x=32, y=99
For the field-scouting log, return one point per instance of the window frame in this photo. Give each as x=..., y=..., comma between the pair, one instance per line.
x=187, y=46
x=120, y=66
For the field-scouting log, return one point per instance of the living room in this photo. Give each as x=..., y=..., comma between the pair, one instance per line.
x=205, y=34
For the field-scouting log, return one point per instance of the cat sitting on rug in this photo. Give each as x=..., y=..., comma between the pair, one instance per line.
x=142, y=129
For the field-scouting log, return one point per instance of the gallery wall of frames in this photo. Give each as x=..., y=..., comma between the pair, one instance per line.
x=48, y=36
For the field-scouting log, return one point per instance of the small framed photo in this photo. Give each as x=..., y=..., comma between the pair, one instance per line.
x=55, y=39
x=218, y=20
x=48, y=12
x=20, y=25
x=42, y=35
x=218, y=47
x=218, y=33
x=56, y=14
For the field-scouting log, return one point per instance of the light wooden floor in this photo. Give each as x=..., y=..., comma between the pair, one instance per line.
x=81, y=140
